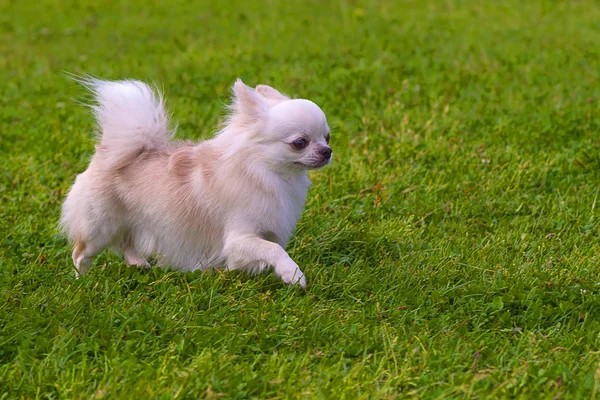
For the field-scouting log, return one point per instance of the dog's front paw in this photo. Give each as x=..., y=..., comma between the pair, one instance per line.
x=290, y=273
x=301, y=281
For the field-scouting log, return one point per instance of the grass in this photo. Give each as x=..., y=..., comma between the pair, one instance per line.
x=452, y=248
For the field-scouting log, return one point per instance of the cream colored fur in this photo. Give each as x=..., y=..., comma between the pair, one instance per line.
x=230, y=202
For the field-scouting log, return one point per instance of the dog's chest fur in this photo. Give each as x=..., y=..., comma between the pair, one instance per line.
x=282, y=212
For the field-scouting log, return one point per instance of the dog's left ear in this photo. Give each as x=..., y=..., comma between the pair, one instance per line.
x=247, y=104
x=273, y=95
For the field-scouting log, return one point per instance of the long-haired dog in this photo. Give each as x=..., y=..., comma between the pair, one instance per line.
x=230, y=202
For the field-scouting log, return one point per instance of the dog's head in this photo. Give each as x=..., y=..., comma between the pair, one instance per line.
x=288, y=133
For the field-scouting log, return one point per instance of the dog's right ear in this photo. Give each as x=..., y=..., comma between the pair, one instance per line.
x=273, y=95
x=247, y=104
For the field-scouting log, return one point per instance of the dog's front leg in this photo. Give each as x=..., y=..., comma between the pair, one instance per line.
x=245, y=251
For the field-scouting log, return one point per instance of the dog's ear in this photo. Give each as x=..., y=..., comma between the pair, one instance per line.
x=247, y=104
x=273, y=95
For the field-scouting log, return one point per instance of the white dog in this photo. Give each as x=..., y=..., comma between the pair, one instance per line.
x=229, y=202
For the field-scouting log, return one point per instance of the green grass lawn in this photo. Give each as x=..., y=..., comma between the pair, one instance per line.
x=452, y=247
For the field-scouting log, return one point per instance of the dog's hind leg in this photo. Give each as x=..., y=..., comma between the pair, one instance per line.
x=132, y=257
x=83, y=254
x=86, y=249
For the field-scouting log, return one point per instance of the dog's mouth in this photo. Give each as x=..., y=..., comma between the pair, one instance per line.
x=317, y=165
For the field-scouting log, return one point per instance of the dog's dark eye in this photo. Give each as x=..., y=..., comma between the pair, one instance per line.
x=299, y=144
x=327, y=138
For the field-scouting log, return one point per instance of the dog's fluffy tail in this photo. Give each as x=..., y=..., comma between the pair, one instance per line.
x=132, y=119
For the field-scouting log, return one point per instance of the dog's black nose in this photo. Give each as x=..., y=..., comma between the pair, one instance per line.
x=325, y=152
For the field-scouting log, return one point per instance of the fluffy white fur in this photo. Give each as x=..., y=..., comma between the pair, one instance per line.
x=229, y=202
